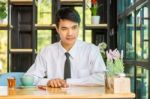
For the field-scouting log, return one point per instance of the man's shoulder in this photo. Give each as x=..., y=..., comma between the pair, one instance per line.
x=87, y=49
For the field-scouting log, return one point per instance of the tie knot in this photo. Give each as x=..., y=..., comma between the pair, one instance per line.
x=67, y=54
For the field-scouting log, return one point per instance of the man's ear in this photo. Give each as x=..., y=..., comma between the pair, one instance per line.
x=56, y=27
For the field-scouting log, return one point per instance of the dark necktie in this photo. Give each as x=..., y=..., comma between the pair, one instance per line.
x=67, y=69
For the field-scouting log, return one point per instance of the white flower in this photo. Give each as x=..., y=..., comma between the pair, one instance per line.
x=114, y=62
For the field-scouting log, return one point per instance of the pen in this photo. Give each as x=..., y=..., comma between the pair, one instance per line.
x=42, y=87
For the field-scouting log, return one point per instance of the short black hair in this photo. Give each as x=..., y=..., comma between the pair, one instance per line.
x=67, y=13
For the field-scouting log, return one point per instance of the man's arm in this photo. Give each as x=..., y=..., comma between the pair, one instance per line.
x=97, y=71
x=96, y=79
x=38, y=71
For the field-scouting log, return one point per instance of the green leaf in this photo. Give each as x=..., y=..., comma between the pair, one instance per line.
x=3, y=15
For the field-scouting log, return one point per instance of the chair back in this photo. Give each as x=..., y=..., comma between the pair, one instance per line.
x=17, y=75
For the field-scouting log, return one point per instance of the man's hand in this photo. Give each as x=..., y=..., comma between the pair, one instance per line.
x=57, y=83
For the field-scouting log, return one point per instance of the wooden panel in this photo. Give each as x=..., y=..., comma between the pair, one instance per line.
x=96, y=26
x=21, y=36
x=20, y=62
x=4, y=27
x=21, y=2
x=71, y=2
x=45, y=26
x=21, y=50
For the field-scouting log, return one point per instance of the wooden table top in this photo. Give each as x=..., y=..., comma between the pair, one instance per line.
x=59, y=93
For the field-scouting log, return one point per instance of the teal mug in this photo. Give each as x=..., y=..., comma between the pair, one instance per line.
x=27, y=80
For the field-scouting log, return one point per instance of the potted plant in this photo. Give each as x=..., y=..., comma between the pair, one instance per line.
x=113, y=60
x=114, y=63
x=3, y=13
x=116, y=81
x=95, y=7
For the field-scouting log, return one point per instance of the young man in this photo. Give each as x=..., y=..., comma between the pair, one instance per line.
x=85, y=64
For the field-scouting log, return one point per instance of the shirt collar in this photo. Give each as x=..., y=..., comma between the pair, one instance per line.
x=61, y=49
x=72, y=51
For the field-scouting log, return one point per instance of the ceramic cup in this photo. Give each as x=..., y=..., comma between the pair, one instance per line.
x=27, y=80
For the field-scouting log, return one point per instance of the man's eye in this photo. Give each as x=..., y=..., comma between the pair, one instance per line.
x=63, y=28
x=75, y=27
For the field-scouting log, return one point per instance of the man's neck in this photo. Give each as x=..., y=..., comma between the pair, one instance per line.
x=67, y=47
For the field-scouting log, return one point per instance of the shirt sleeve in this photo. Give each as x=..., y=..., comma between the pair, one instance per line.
x=92, y=80
x=97, y=71
x=38, y=71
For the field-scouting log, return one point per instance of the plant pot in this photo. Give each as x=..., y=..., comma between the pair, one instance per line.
x=95, y=20
x=109, y=85
x=117, y=85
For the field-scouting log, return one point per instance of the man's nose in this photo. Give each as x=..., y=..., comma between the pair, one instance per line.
x=70, y=31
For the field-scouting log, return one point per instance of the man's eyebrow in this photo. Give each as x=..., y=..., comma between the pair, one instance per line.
x=74, y=25
x=71, y=26
x=63, y=27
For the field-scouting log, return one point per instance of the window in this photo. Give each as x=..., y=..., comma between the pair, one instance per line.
x=133, y=37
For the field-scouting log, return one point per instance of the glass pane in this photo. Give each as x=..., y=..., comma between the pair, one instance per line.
x=3, y=51
x=44, y=11
x=142, y=34
x=88, y=33
x=121, y=35
x=88, y=12
x=120, y=5
x=130, y=37
x=80, y=11
x=129, y=2
x=123, y=4
x=142, y=83
x=137, y=0
x=43, y=39
x=88, y=36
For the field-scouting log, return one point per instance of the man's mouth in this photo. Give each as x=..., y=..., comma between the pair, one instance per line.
x=69, y=38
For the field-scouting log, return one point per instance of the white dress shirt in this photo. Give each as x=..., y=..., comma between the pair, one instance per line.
x=87, y=65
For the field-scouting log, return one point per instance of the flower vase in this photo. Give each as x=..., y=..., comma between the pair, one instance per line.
x=116, y=84
x=95, y=20
x=109, y=84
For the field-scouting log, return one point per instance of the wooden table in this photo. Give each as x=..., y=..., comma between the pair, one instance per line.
x=59, y=93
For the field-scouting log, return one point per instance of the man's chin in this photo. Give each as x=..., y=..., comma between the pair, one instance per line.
x=70, y=42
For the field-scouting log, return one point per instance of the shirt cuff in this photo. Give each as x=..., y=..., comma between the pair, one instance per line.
x=74, y=81
x=43, y=82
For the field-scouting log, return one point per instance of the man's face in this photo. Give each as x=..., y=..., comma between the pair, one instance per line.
x=68, y=32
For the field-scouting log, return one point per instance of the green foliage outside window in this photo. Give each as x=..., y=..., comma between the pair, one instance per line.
x=44, y=17
x=3, y=50
x=3, y=13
